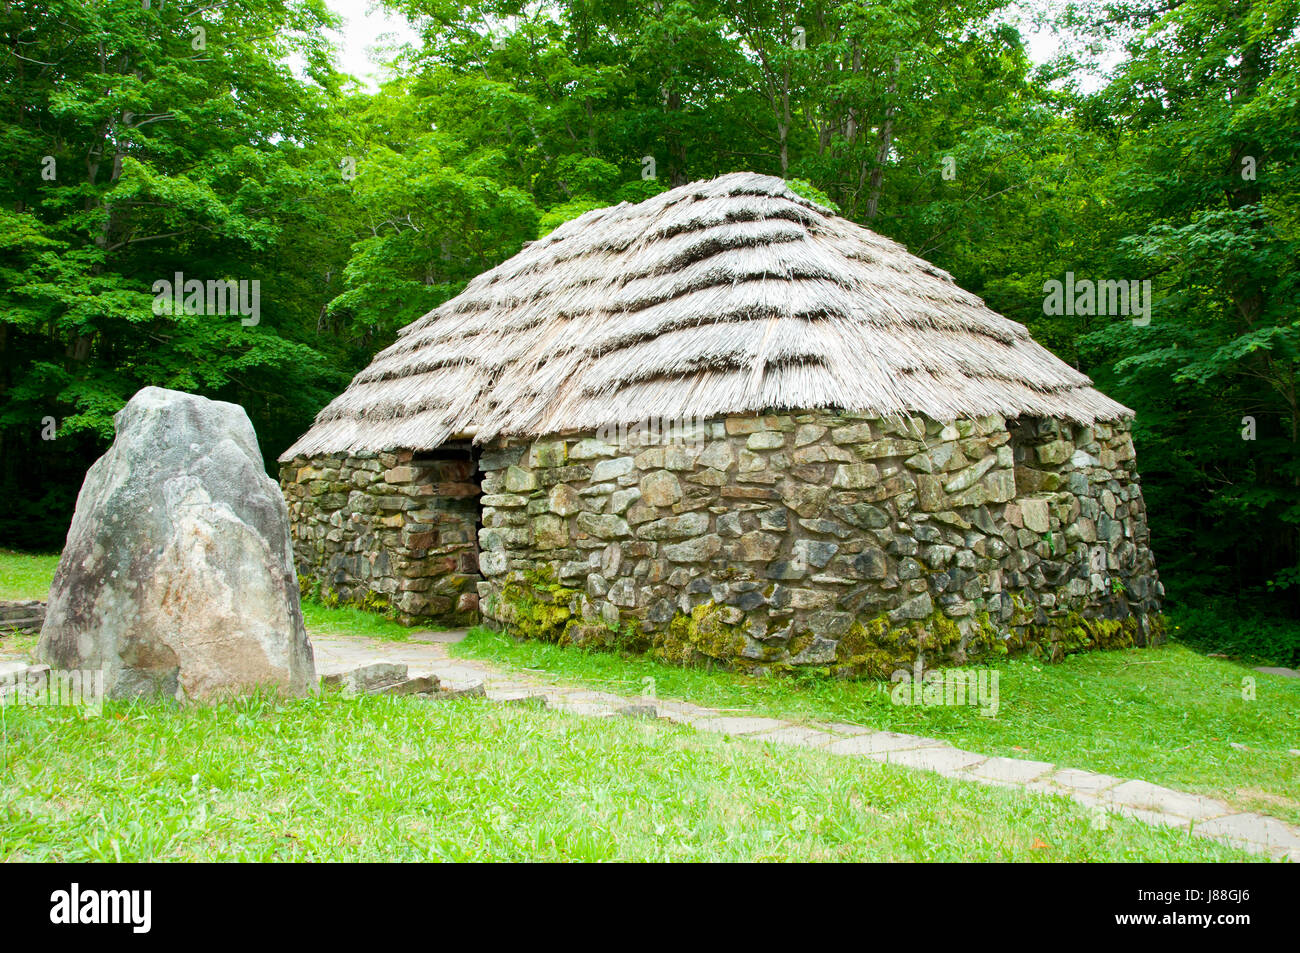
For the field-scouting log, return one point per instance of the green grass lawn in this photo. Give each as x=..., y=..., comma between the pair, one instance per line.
x=1168, y=715
x=26, y=575
x=348, y=620
x=332, y=778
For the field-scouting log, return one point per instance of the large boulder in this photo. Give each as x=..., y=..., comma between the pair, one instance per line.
x=177, y=579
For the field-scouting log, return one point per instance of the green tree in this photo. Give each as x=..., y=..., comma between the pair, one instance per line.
x=138, y=143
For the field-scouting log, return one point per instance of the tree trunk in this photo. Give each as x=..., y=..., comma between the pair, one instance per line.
x=885, y=144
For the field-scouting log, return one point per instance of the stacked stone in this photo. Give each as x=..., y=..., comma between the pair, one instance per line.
x=793, y=529
x=381, y=530
x=25, y=616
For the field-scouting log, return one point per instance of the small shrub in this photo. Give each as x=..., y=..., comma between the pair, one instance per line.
x=1228, y=629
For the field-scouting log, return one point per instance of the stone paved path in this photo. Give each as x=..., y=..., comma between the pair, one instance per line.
x=426, y=654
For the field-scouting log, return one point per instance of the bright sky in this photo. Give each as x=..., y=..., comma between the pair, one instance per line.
x=365, y=29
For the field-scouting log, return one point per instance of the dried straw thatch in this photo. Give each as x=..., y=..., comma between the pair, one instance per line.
x=728, y=296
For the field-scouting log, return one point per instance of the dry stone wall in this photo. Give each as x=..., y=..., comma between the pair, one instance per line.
x=823, y=540
x=388, y=530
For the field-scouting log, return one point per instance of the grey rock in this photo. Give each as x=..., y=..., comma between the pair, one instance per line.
x=177, y=578
x=925, y=533
x=661, y=611
x=590, y=449
x=1034, y=513
x=757, y=547
x=620, y=500
x=611, y=469
x=562, y=500
x=693, y=550
x=729, y=524
x=830, y=623
x=918, y=607
x=639, y=710
x=675, y=527
x=420, y=685
x=862, y=515
x=936, y=557
x=787, y=569
x=660, y=488
x=814, y=552
x=519, y=480
x=971, y=475
x=902, y=546
x=870, y=564
x=765, y=440
x=497, y=459
x=602, y=526
x=717, y=456
x=820, y=652
x=366, y=678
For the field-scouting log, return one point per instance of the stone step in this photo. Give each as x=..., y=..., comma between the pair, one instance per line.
x=368, y=678
x=22, y=624
x=472, y=691
x=421, y=685
x=27, y=615
x=391, y=678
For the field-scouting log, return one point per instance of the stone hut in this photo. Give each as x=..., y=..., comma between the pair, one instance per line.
x=727, y=424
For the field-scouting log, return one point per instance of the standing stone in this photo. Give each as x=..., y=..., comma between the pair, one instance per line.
x=177, y=578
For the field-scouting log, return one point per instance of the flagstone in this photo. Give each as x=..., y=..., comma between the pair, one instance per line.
x=1012, y=771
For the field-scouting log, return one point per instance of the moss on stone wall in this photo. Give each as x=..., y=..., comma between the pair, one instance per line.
x=704, y=633
x=877, y=648
x=535, y=606
x=1076, y=633
x=312, y=589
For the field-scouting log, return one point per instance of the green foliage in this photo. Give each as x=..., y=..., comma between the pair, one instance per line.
x=812, y=193
x=556, y=216
x=1238, y=631
x=1206, y=196
x=131, y=155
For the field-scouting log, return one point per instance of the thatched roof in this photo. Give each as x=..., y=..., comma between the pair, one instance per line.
x=718, y=297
